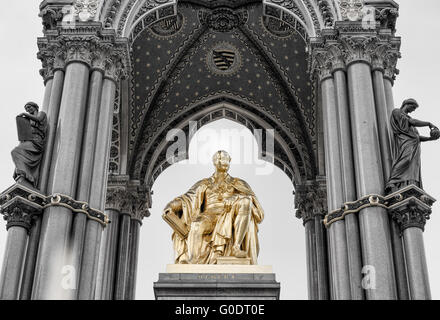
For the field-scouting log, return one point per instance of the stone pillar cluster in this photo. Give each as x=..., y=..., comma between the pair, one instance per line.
x=311, y=204
x=82, y=66
x=127, y=204
x=355, y=67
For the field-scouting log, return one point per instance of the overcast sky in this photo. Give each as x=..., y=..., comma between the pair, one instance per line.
x=281, y=234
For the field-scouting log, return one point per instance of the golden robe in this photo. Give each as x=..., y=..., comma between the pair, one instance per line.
x=220, y=241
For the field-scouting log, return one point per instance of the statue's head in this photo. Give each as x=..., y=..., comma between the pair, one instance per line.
x=31, y=107
x=409, y=105
x=221, y=160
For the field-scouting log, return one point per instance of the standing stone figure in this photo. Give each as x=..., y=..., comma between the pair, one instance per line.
x=221, y=214
x=406, y=168
x=31, y=127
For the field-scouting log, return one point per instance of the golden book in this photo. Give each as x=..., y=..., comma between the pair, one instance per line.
x=176, y=223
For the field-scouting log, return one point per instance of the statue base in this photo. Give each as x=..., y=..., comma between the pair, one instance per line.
x=233, y=261
x=217, y=282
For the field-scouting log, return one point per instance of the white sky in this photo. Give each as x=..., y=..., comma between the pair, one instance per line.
x=281, y=234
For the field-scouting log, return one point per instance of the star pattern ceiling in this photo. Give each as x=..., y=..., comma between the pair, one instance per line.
x=181, y=61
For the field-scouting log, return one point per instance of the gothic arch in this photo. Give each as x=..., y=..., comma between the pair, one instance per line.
x=159, y=101
x=222, y=107
x=124, y=16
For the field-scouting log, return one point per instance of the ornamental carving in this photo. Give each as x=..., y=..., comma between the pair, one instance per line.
x=351, y=9
x=349, y=43
x=90, y=45
x=311, y=200
x=129, y=200
x=86, y=9
x=411, y=215
x=223, y=19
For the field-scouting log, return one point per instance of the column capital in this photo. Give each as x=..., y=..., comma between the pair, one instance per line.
x=349, y=42
x=19, y=204
x=86, y=43
x=311, y=200
x=410, y=207
x=128, y=198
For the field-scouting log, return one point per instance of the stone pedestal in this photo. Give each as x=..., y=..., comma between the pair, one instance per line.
x=217, y=282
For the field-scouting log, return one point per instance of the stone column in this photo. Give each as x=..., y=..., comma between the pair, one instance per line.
x=53, y=59
x=374, y=224
x=319, y=212
x=57, y=220
x=304, y=205
x=109, y=247
x=122, y=266
x=311, y=204
x=135, y=228
x=348, y=179
x=14, y=255
x=312, y=268
x=410, y=207
x=338, y=258
x=89, y=268
x=86, y=168
x=19, y=205
x=384, y=62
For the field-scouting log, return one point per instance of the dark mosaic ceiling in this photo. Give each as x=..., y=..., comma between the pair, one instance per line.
x=204, y=54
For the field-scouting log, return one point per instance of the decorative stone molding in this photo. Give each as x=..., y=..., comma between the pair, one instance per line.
x=223, y=19
x=311, y=200
x=86, y=10
x=53, y=13
x=60, y=200
x=88, y=43
x=354, y=207
x=410, y=207
x=128, y=197
x=349, y=43
x=351, y=10
x=20, y=204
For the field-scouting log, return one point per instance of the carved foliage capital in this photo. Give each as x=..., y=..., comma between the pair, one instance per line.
x=88, y=45
x=311, y=201
x=411, y=215
x=131, y=202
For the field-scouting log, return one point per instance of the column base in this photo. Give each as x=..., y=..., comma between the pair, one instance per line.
x=217, y=282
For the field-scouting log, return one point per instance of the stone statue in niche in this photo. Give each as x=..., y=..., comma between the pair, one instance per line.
x=31, y=127
x=406, y=166
x=217, y=218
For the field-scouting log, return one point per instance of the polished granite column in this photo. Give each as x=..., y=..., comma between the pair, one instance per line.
x=348, y=180
x=57, y=221
x=374, y=224
x=338, y=258
x=54, y=87
x=94, y=229
x=410, y=208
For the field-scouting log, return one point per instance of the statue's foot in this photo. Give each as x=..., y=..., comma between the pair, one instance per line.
x=238, y=253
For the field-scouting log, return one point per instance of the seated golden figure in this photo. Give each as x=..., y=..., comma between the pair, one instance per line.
x=217, y=217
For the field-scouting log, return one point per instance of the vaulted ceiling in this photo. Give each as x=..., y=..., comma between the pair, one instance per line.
x=206, y=55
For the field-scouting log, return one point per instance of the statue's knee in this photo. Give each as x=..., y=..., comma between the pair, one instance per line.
x=246, y=201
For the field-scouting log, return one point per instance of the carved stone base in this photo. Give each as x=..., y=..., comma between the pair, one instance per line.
x=233, y=261
x=217, y=286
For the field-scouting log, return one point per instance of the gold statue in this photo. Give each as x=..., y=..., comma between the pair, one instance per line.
x=217, y=217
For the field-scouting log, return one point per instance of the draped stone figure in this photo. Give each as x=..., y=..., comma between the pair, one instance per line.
x=406, y=167
x=221, y=214
x=32, y=127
